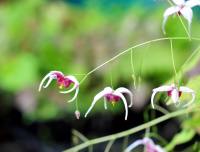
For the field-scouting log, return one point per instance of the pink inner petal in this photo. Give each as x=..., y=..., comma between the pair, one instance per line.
x=112, y=98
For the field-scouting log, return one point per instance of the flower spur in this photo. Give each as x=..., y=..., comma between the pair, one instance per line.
x=112, y=96
x=148, y=143
x=182, y=8
x=174, y=92
x=62, y=81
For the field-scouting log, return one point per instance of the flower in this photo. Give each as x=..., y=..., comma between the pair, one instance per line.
x=62, y=81
x=182, y=8
x=112, y=96
x=174, y=92
x=148, y=143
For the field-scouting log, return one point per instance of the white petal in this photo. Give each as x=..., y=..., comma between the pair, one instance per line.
x=124, y=101
x=159, y=89
x=133, y=145
x=187, y=14
x=188, y=90
x=107, y=90
x=179, y=2
x=175, y=95
x=44, y=79
x=75, y=96
x=125, y=90
x=192, y=3
x=167, y=13
x=70, y=90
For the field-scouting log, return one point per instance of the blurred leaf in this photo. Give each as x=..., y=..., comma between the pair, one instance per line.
x=20, y=72
x=180, y=138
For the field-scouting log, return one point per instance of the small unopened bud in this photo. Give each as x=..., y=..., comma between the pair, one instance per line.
x=77, y=114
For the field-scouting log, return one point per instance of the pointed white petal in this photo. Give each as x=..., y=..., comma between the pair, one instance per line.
x=125, y=90
x=124, y=101
x=192, y=3
x=167, y=13
x=75, y=95
x=43, y=81
x=159, y=89
x=163, y=88
x=188, y=90
x=134, y=145
x=70, y=90
x=179, y=2
x=107, y=90
x=187, y=14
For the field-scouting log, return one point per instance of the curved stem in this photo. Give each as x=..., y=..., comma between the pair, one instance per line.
x=109, y=145
x=133, y=130
x=136, y=46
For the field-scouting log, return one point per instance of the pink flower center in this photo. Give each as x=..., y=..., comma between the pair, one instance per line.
x=62, y=81
x=169, y=93
x=112, y=98
x=181, y=7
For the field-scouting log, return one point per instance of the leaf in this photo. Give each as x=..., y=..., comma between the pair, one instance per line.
x=184, y=136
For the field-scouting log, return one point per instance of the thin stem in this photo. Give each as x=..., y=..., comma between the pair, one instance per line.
x=133, y=130
x=135, y=46
x=109, y=145
x=125, y=143
x=82, y=137
x=173, y=62
x=133, y=70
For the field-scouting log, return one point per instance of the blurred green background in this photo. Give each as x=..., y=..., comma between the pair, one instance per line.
x=74, y=36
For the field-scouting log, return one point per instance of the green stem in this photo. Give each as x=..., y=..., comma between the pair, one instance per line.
x=173, y=62
x=131, y=131
x=109, y=145
x=135, y=46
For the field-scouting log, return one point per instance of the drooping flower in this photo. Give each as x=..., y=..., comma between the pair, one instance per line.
x=62, y=81
x=112, y=96
x=150, y=146
x=174, y=92
x=181, y=7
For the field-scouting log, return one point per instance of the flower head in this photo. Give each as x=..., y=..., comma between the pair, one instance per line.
x=112, y=96
x=77, y=114
x=174, y=92
x=148, y=143
x=181, y=7
x=62, y=81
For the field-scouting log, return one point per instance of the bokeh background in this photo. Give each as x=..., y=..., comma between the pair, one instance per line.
x=75, y=36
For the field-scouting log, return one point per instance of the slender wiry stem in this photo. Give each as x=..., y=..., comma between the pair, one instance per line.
x=135, y=46
x=125, y=143
x=133, y=130
x=173, y=62
x=82, y=137
x=109, y=145
x=133, y=70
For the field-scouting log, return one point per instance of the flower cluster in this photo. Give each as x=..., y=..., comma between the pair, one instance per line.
x=181, y=7
x=148, y=144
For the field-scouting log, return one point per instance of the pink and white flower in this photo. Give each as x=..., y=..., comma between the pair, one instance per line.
x=62, y=81
x=148, y=143
x=174, y=92
x=181, y=7
x=112, y=96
